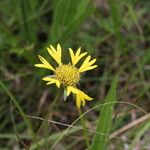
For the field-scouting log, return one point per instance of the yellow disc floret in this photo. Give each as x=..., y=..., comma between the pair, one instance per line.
x=68, y=75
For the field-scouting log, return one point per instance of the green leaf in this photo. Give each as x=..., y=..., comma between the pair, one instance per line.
x=105, y=119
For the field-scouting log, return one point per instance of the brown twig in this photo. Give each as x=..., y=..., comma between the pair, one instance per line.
x=130, y=125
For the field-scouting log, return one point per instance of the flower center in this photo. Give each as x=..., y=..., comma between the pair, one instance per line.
x=68, y=75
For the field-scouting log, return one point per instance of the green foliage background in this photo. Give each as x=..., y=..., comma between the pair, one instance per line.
x=113, y=31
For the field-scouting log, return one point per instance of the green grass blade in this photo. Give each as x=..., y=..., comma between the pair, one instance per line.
x=61, y=14
x=13, y=136
x=73, y=27
x=15, y=102
x=135, y=18
x=66, y=15
x=142, y=130
x=51, y=138
x=105, y=119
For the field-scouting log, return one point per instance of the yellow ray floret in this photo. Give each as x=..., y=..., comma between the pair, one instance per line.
x=77, y=56
x=87, y=65
x=45, y=64
x=55, y=53
x=51, y=81
x=68, y=75
x=80, y=96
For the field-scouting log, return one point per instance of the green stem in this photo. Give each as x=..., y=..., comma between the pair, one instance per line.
x=82, y=120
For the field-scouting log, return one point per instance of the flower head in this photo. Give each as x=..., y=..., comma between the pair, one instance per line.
x=68, y=75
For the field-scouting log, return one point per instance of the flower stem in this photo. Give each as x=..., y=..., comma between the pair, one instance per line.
x=82, y=120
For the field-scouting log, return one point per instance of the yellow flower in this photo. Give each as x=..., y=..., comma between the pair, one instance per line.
x=68, y=75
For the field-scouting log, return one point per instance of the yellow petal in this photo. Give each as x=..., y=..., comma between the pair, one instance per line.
x=92, y=61
x=80, y=96
x=90, y=68
x=83, y=102
x=77, y=56
x=71, y=55
x=71, y=89
x=78, y=101
x=59, y=49
x=87, y=64
x=45, y=64
x=78, y=51
x=51, y=81
x=55, y=53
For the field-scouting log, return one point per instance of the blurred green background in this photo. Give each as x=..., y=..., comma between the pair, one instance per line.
x=115, y=32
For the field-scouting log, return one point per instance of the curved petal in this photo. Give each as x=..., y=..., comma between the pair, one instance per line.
x=45, y=64
x=77, y=56
x=87, y=64
x=80, y=96
x=55, y=53
x=51, y=81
